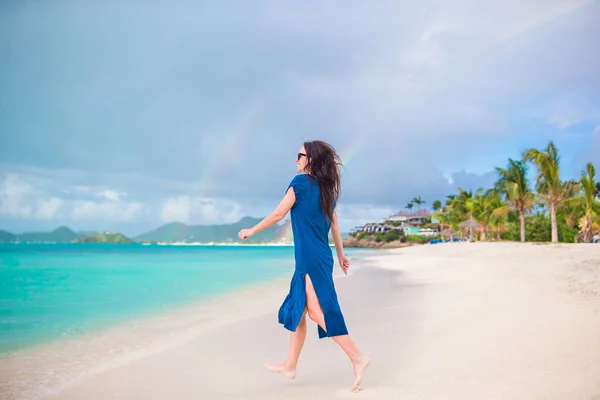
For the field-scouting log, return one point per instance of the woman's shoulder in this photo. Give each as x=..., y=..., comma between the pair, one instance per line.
x=300, y=183
x=300, y=178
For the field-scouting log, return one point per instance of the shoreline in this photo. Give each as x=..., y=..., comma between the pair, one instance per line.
x=461, y=321
x=72, y=359
x=37, y=326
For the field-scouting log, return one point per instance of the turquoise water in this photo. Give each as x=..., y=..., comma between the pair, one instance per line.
x=48, y=291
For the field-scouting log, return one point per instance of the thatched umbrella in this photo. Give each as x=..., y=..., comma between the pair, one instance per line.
x=446, y=232
x=469, y=225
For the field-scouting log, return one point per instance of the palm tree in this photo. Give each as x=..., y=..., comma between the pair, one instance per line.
x=590, y=205
x=500, y=223
x=446, y=220
x=418, y=201
x=409, y=206
x=457, y=207
x=485, y=209
x=436, y=205
x=549, y=186
x=460, y=203
x=513, y=184
x=475, y=207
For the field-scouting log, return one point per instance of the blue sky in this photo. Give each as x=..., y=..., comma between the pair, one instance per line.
x=126, y=115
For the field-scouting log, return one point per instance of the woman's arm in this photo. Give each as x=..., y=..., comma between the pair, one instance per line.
x=276, y=215
x=339, y=247
x=337, y=236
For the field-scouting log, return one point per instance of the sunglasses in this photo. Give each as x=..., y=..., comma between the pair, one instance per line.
x=300, y=155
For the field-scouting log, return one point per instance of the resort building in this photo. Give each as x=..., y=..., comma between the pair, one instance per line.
x=413, y=218
x=403, y=222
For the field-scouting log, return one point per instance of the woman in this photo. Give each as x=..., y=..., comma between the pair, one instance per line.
x=312, y=197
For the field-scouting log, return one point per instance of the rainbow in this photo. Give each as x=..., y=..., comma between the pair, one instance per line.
x=350, y=150
x=550, y=14
x=287, y=234
x=225, y=147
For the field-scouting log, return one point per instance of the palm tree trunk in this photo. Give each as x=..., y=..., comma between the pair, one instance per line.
x=553, y=222
x=483, y=235
x=522, y=217
x=587, y=228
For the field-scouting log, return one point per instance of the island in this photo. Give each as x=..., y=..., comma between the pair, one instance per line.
x=104, y=237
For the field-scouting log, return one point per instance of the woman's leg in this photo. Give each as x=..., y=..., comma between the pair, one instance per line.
x=315, y=312
x=297, y=342
x=288, y=368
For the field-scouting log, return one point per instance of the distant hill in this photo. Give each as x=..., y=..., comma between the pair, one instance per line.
x=106, y=237
x=60, y=235
x=7, y=236
x=180, y=232
x=83, y=233
x=173, y=232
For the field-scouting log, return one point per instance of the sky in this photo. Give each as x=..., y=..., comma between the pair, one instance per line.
x=127, y=115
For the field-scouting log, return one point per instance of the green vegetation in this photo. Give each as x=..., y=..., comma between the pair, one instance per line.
x=514, y=186
x=393, y=236
x=63, y=235
x=362, y=235
x=59, y=235
x=169, y=233
x=551, y=190
x=556, y=211
x=419, y=239
x=587, y=206
x=552, y=210
x=7, y=236
x=106, y=237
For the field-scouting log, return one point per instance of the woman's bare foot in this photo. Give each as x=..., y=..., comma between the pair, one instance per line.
x=282, y=369
x=359, y=369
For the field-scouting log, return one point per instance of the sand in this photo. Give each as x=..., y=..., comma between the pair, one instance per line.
x=448, y=321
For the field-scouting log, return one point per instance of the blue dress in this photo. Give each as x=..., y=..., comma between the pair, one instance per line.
x=313, y=258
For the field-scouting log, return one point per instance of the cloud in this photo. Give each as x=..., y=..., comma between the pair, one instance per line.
x=177, y=209
x=111, y=195
x=182, y=102
x=19, y=199
x=49, y=208
x=23, y=197
x=200, y=210
x=80, y=189
x=13, y=192
x=106, y=210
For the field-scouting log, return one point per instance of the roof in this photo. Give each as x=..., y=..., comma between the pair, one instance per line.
x=418, y=213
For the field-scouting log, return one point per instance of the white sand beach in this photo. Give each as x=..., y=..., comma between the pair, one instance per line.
x=449, y=321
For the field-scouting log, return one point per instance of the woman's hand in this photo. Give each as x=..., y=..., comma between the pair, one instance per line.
x=245, y=233
x=344, y=263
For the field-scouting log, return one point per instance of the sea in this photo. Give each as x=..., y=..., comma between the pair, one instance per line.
x=49, y=292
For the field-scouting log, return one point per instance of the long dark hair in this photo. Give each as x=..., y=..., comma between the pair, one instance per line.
x=323, y=165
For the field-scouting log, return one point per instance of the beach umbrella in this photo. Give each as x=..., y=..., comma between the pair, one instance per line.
x=469, y=225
